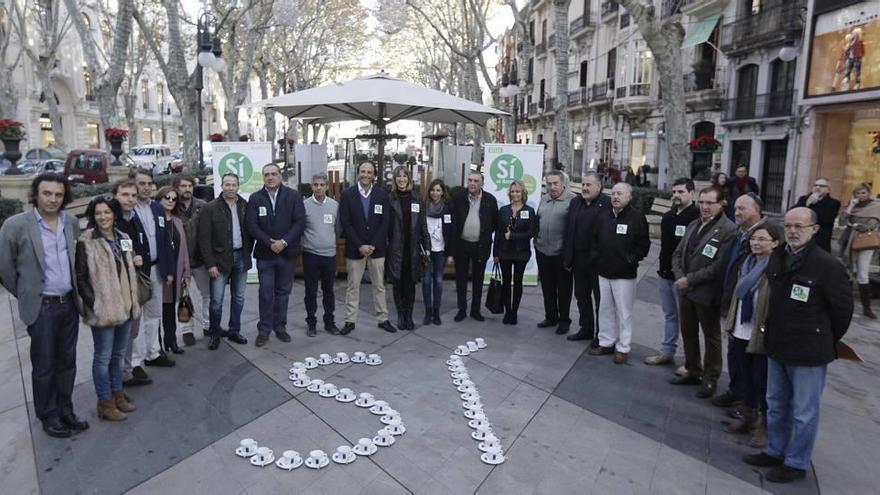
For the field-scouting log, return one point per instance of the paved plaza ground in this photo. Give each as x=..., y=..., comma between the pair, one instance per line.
x=569, y=422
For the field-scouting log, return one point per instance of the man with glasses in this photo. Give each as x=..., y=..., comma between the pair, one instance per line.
x=275, y=219
x=826, y=209
x=189, y=213
x=809, y=311
x=694, y=263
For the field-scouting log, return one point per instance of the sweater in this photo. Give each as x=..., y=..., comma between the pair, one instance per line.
x=322, y=226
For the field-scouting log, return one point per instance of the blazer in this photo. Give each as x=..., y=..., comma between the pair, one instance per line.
x=134, y=229
x=826, y=210
x=700, y=254
x=488, y=215
x=418, y=237
x=286, y=222
x=360, y=231
x=190, y=219
x=22, y=263
x=522, y=229
x=215, y=235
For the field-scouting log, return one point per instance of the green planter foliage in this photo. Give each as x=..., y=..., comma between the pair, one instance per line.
x=9, y=207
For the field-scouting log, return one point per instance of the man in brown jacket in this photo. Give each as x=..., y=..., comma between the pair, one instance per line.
x=694, y=264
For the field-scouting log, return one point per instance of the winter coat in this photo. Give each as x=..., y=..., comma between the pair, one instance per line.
x=488, y=215
x=673, y=226
x=418, y=237
x=698, y=256
x=174, y=259
x=580, y=227
x=620, y=241
x=108, y=286
x=215, y=235
x=522, y=228
x=759, y=317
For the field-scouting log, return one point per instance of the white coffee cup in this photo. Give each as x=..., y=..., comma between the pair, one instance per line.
x=290, y=456
x=341, y=357
x=310, y=362
x=365, y=396
x=373, y=358
x=472, y=346
x=325, y=359
x=249, y=446
x=263, y=453
x=365, y=443
x=298, y=365
x=481, y=342
x=359, y=357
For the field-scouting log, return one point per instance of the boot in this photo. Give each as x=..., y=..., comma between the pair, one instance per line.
x=410, y=324
x=436, y=315
x=401, y=322
x=122, y=402
x=107, y=410
x=759, y=434
x=865, y=292
x=429, y=313
x=743, y=425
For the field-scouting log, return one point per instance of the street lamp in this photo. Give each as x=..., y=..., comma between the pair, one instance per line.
x=210, y=56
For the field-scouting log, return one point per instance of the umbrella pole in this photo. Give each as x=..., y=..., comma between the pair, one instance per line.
x=380, y=141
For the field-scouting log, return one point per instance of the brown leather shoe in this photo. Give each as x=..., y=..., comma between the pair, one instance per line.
x=122, y=402
x=621, y=357
x=107, y=410
x=601, y=351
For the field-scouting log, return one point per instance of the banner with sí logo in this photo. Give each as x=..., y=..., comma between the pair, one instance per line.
x=505, y=163
x=245, y=159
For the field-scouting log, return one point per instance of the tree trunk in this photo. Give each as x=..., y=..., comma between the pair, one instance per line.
x=45, y=78
x=563, y=141
x=133, y=134
x=664, y=38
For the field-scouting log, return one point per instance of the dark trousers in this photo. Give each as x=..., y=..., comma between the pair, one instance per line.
x=736, y=351
x=53, y=359
x=556, y=287
x=169, y=320
x=276, y=280
x=586, y=289
x=468, y=261
x=512, y=274
x=752, y=369
x=693, y=317
x=404, y=292
x=319, y=268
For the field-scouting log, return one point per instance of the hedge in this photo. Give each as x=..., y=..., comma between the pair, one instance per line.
x=643, y=198
x=9, y=207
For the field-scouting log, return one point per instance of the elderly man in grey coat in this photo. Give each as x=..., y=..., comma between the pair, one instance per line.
x=555, y=279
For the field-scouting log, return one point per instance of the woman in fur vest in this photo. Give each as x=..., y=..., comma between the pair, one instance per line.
x=174, y=266
x=107, y=282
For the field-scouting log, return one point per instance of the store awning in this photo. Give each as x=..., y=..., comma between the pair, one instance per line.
x=700, y=32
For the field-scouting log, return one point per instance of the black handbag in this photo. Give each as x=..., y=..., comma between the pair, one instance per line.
x=494, y=298
x=184, y=307
x=145, y=287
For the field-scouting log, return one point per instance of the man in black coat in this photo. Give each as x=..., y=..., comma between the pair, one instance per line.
x=826, y=209
x=364, y=216
x=275, y=219
x=474, y=214
x=672, y=228
x=577, y=247
x=810, y=309
x=621, y=240
x=739, y=185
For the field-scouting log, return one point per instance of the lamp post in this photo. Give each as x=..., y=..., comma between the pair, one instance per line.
x=210, y=55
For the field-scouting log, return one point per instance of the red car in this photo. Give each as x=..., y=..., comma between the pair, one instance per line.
x=87, y=166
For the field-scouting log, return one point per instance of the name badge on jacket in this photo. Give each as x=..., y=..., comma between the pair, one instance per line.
x=524, y=214
x=447, y=218
x=262, y=211
x=126, y=244
x=709, y=251
x=680, y=230
x=377, y=209
x=622, y=228
x=162, y=222
x=328, y=218
x=800, y=293
x=414, y=208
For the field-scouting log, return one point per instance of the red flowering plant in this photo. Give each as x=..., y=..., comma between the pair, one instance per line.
x=115, y=133
x=216, y=138
x=876, y=148
x=704, y=143
x=10, y=129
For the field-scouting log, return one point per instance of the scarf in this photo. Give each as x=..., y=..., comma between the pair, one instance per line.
x=741, y=184
x=435, y=210
x=750, y=276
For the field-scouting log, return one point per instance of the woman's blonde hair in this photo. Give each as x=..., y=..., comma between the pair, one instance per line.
x=405, y=170
x=522, y=185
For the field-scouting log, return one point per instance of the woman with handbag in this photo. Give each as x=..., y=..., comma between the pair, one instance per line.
x=863, y=229
x=106, y=278
x=438, y=216
x=407, y=245
x=745, y=323
x=173, y=265
x=516, y=227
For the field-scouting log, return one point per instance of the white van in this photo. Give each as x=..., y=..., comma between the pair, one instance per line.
x=156, y=157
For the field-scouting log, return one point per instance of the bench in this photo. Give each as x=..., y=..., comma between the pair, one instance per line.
x=659, y=206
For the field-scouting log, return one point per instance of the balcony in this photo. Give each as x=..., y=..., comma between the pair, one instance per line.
x=551, y=42
x=766, y=106
x=761, y=30
x=581, y=26
x=702, y=8
x=549, y=105
x=600, y=92
x=577, y=98
x=634, y=99
x=621, y=92
x=703, y=90
x=609, y=10
x=533, y=110
x=541, y=49
x=624, y=20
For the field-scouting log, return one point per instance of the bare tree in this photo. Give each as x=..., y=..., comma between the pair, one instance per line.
x=664, y=37
x=8, y=93
x=563, y=143
x=106, y=73
x=524, y=51
x=136, y=62
x=48, y=23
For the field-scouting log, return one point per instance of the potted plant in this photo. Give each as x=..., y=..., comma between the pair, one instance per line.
x=216, y=138
x=11, y=134
x=704, y=144
x=115, y=136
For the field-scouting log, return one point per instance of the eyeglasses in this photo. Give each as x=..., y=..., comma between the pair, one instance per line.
x=171, y=198
x=706, y=203
x=798, y=226
x=821, y=185
x=760, y=240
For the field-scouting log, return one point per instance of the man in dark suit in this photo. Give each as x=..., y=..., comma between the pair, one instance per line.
x=226, y=250
x=364, y=216
x=275, y=219
x=826, y=209
x=36, y=266
x=474, y=214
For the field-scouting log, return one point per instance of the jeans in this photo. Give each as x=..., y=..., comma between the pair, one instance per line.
x=109, y=360
x=512, y=272
x=53, y=359
x=793, y=397
x=469, y=262
x=276, y=281
x=432, y=280
x=669, y=302
x=319, y=268
x=555, y=286
x=237, y=279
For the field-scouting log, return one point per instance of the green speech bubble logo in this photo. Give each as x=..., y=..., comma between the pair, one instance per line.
x=237, y=164
x=531, y=184
x=504, y=170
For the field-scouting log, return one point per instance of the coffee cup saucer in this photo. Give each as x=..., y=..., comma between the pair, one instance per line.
x=311, y=363
x=283, y=463
x=451, y=363
x=325, y=361
x=255, y=461
x=302, y=383
x=361, y=403
x=472, y=413
x=383, y=441
x=339, y=360
x=350, y=398
x=242, y=452
x=327, y=392
x=366, y=451
x=358, y=359
x=483, y=446
x=342, y=459
x=375, y=409
x=373, y=362
x=313, y=463
x=462, y=352
x=490, y=459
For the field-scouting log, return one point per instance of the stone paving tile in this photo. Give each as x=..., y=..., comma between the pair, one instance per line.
x=18, y=471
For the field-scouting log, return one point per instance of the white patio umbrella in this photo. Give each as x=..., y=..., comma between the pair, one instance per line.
x=380, y=100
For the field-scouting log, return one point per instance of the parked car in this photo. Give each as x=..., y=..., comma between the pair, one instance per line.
x=156, y=157
x=44, y=154
x=176, y=163
x=87, y=166
x=33, y=167
x=4, y=165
